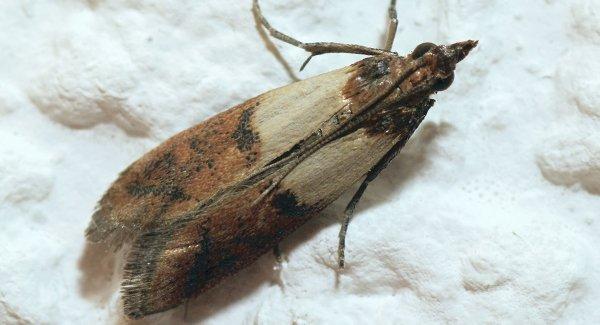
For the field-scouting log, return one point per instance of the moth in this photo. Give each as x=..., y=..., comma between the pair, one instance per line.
x=212, y=199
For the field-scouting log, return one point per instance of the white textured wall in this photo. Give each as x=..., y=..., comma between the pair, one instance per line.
x=491, y=213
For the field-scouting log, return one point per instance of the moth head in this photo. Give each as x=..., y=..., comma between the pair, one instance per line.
x=440, y=61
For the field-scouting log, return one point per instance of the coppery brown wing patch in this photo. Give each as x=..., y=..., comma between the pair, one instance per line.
x=173, y=178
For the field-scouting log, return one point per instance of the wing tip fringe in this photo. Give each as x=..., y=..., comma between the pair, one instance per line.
x=137, y=277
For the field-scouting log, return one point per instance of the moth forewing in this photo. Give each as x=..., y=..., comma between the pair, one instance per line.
x=327, y=173
x=196, y=164
x=172, y=264
x=206, y=243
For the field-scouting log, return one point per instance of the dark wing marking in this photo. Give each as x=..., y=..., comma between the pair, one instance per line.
x=169, y=265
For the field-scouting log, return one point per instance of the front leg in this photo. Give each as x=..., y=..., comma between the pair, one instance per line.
x=371, y=175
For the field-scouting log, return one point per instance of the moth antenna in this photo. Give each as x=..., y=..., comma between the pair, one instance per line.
x=392, y=26
x=315, y=48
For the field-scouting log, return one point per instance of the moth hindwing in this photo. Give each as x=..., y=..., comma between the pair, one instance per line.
x=212, y=199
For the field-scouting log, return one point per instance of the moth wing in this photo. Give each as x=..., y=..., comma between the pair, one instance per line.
x=169, y=265
x=185, y=171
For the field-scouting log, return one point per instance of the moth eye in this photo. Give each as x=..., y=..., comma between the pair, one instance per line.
x=422, y=49
x=443, y=84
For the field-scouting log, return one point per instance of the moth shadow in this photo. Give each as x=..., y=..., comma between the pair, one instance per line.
x=273, y=49
x=261, y=274
x=100, y=267
x=230, y=291
x=411, y=160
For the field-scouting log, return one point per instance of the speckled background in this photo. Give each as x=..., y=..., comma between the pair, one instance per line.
x=490, y=214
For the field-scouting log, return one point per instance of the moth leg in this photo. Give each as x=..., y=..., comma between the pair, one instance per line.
x=278, y=255
x=371, y=175
x=347, y=215
x=278, y=267
x=185, y=311
x=316, y=48
x=392, y=26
